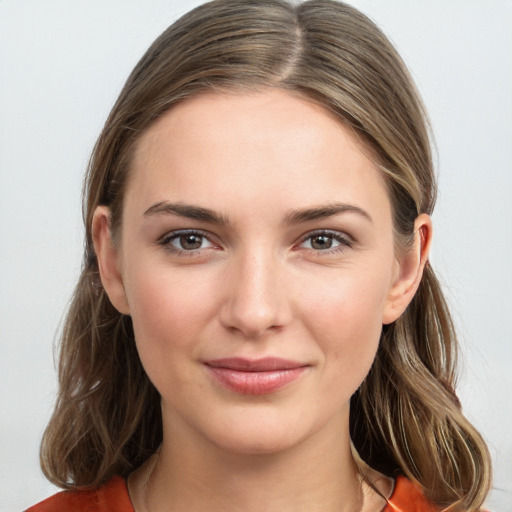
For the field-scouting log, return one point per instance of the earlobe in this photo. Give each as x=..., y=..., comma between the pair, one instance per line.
x=108, y=260
x=409, y=271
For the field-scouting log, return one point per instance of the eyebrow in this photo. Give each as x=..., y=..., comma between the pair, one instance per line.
x=188, y=211
x=324, y=211
x=293, y=217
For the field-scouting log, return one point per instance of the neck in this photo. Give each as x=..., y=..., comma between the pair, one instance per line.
x=189, y=474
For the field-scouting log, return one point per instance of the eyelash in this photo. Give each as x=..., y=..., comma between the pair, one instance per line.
x=166, y=242
x=344, y=241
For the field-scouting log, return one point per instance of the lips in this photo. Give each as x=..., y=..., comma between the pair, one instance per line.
x=255, y=376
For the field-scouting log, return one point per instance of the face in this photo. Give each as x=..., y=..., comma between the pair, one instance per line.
x=257, y=261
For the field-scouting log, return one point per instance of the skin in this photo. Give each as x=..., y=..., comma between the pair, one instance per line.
x=264, y=282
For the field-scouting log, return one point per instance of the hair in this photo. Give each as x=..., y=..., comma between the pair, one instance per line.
x=405, y=418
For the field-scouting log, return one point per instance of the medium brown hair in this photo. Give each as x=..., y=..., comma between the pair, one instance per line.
x=405, y=418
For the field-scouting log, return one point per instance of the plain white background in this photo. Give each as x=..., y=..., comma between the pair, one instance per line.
x=62, y=65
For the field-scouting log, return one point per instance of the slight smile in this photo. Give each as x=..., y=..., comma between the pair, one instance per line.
x=256, y=376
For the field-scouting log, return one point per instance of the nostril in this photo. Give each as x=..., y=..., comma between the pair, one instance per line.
x=250, y=323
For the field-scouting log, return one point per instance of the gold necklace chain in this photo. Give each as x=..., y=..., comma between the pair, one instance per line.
x=152, y=462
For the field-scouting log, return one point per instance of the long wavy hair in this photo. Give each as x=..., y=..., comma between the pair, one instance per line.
x=405, y=418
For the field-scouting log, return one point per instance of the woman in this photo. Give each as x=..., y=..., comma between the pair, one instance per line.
x=257, y=325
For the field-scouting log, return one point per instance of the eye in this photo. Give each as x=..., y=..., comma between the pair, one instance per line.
x=186, y=241
x=326, y=241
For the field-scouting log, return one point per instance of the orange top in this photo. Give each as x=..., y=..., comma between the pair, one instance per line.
x=113, y=497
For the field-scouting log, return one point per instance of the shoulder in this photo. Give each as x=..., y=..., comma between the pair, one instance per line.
x=408, y=497
x=111, y=497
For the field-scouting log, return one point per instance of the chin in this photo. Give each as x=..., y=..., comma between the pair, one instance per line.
x=263, y=434
x=271, y=443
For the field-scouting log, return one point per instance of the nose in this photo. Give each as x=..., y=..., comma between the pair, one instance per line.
x=255, y=300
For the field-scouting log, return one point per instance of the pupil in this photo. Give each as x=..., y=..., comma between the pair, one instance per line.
x=190, y=241
x=321, y=242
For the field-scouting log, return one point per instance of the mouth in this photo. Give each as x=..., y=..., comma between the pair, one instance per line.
x=255, y=376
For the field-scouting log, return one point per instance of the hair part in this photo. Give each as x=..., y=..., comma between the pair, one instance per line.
x=405, y=418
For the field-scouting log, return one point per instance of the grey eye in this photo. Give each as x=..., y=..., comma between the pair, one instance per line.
x=326, y=241
x=321, y=242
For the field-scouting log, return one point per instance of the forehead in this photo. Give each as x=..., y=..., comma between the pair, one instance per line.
x=248, y=116
x=269, y=143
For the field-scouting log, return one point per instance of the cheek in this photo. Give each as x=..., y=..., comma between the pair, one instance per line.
x=346, y=320
x=169, y=310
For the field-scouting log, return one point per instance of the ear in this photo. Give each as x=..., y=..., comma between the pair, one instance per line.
x=409, y=271
x=108, y=259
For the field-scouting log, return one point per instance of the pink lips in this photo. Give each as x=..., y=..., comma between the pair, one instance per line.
x=256, y=376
